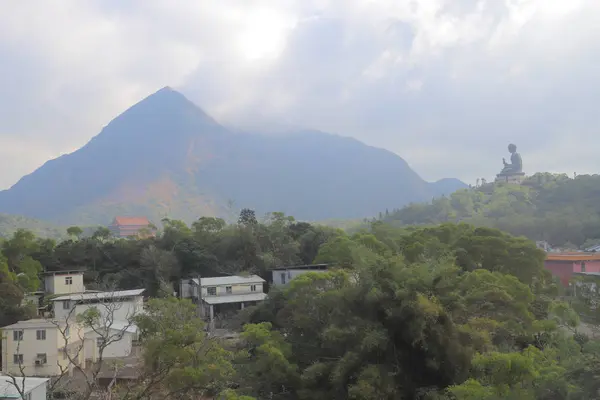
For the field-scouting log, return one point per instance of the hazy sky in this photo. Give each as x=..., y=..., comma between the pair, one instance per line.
x=446, y=84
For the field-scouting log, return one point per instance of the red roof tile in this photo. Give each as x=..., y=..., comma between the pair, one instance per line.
x=131, y=221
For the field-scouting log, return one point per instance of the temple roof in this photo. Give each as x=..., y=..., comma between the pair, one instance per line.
x=131, y=221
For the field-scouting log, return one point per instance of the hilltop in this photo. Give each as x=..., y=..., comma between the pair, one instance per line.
x=165, y=156
x=550, y=207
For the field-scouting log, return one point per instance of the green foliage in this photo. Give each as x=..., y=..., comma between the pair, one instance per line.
x=9, y=224
x=547, y=207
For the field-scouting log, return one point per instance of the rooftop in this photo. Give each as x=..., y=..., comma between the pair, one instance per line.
x=100, y=295
x=573, y=256
x=33, y=324
x=9, y=391
x=131, y=221
x=65, y=272
x=311, y=266
x=230, y=280
x=234, y=298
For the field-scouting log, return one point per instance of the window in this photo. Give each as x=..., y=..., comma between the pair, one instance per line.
x=18, y=359
x=283, y=278
x=40, y=334
x=66, y=305
x=253, y=288
x=69, y=280
x=41, y=358
x=27, y=396
x=583, y=266
x=228, y=289
x=17, y=335
x=212, y=291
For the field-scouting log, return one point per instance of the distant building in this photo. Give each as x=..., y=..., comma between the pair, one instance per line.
x=32, y=388
x=593, y=249
x=63, y=282
x=124, y=227
x=283, y=275
x=565, y=265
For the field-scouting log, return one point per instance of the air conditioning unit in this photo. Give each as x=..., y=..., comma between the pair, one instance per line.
x=38, y=362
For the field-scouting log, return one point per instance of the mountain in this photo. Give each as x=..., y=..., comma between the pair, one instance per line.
x=164, y=156
x=548, y=207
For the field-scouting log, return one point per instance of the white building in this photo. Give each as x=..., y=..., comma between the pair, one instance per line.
x=37, y=347
x=120, y=305
x=115, y=324
x=63, y=282
x=118, y=339
x=283, y=275
x=225, y=293
x=32, y=388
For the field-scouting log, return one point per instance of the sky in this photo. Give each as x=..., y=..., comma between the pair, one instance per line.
x=445, y=84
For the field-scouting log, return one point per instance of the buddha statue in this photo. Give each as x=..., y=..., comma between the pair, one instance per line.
x=515, y=167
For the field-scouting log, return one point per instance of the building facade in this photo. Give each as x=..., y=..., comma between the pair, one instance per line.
x=223, y=295
x=63, y=282
x=37, y=347
x=564, y=265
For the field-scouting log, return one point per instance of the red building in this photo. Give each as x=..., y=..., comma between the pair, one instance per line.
x=131, y=226
x=563, y=265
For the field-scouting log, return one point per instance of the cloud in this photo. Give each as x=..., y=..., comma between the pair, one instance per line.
x=446, y=84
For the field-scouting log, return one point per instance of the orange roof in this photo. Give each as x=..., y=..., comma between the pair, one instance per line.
x=131, y=221
x=576, y=256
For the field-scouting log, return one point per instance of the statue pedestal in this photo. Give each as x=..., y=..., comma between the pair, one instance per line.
x=515, y=179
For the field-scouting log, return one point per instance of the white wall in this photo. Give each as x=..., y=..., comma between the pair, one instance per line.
x=39, y=393
x=116, y=349
x=117, y=311
x=56, y=284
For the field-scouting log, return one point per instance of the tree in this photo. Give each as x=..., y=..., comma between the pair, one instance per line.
x=247, y=217
x=74, y=231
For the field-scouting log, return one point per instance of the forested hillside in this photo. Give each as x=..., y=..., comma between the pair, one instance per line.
x=9, y=224
x=555, y=208
x=449, y=312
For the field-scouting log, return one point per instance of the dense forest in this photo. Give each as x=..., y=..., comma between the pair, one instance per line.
x=553, y=207
x=451, y=311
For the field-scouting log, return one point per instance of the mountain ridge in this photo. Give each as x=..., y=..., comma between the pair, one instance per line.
x=164, y=156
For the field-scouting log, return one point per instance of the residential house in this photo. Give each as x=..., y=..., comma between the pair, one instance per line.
x=283, y=275
x=56, y=282
x=124, y=227
x=564, y=265
x=220, y=295
x=120, y=305
x=37, y=347
x=32, y=388
x=116, y=311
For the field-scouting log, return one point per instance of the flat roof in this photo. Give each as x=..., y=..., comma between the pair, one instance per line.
x=8, y=389
x=234, y=298
x=65, y=272
x=229, y=280
x=311, y=266
x=587, y=273
x=100, y=295
x=34, y=324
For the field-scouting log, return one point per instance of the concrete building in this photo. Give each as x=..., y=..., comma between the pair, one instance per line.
x=63, y=282
x=283, y=275
x=221, y=295
x=120, y=305
x=116, y=311
x=32, y=388
x=38, y=346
